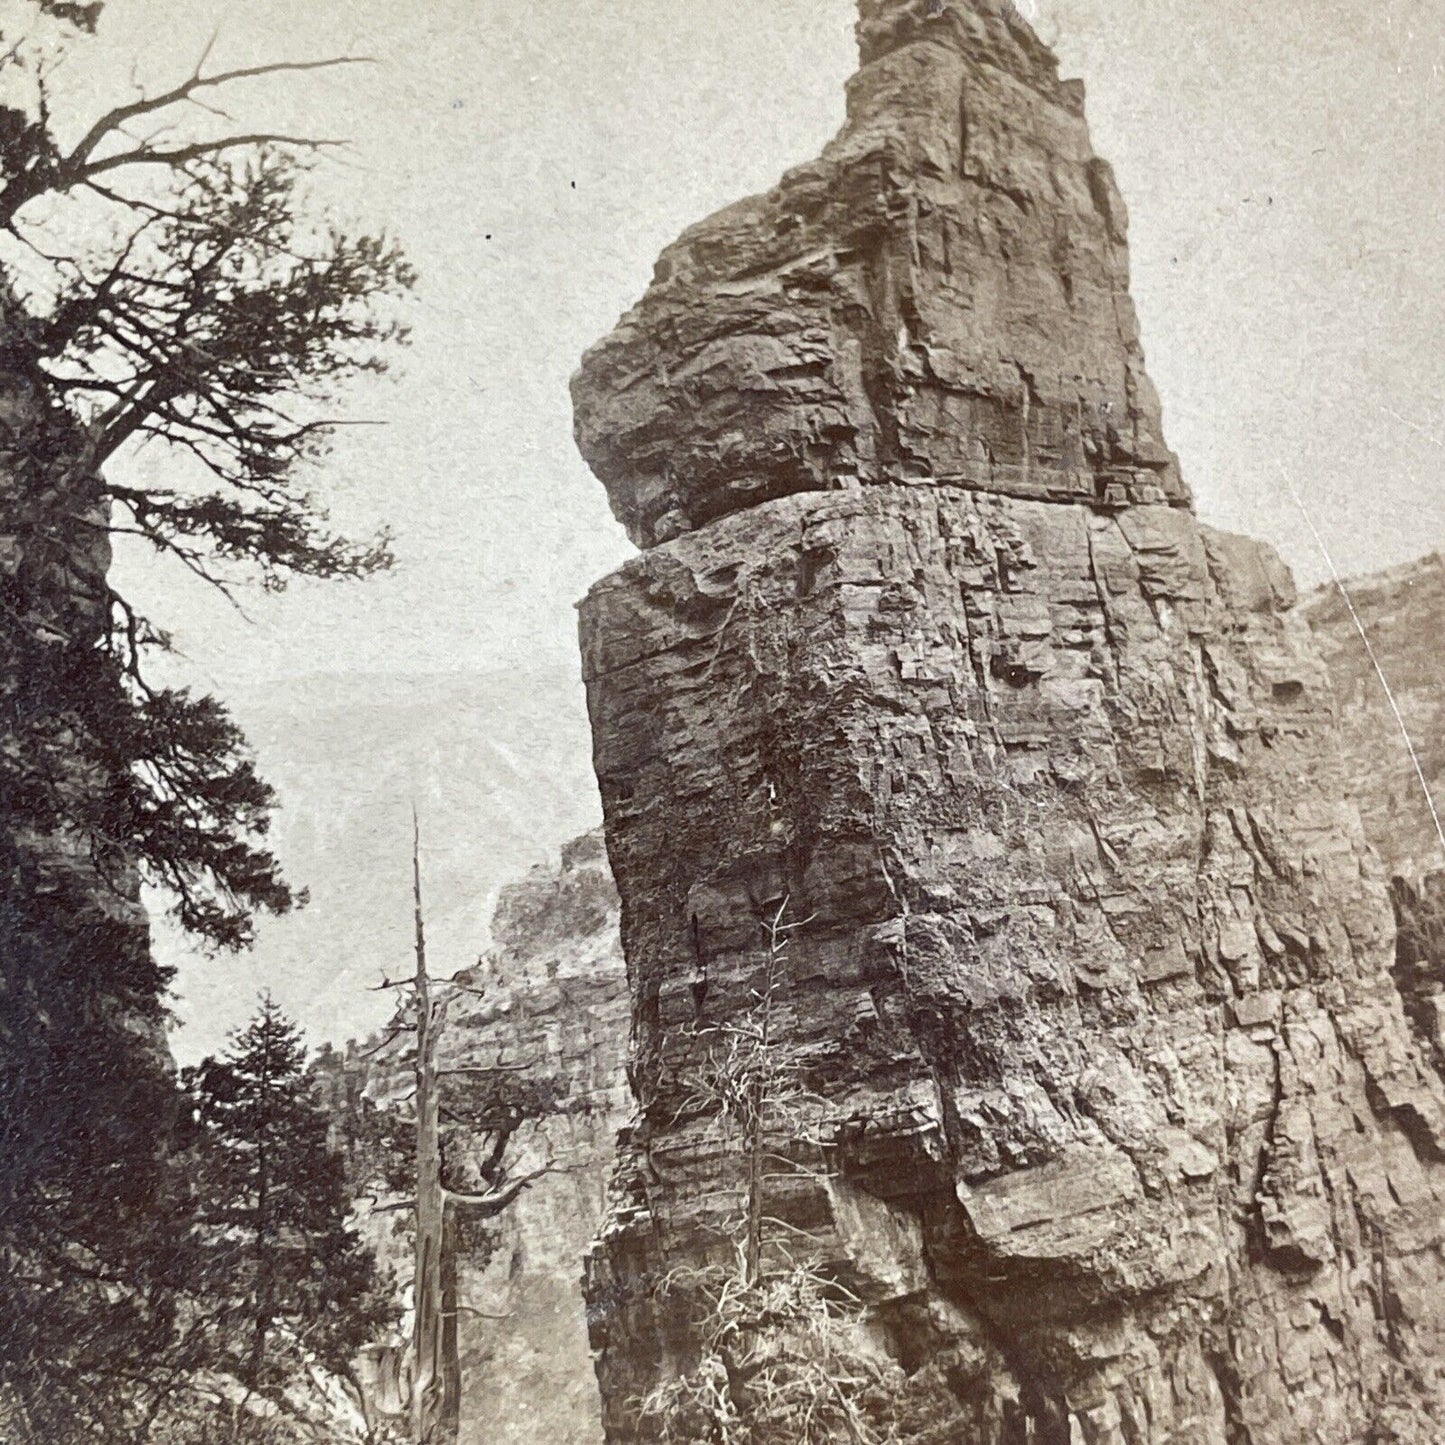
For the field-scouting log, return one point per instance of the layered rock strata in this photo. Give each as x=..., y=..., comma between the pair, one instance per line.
x=557, y=1004
x=1379, y=637
x=1134, y=1142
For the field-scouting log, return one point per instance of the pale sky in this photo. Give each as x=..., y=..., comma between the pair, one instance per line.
x=1282, y=163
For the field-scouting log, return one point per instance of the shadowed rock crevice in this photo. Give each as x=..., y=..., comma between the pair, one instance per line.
x=1091, y=970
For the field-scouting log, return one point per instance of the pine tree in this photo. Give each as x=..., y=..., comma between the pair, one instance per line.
x=181, y=293
x=164, y=281
x=283, y=1279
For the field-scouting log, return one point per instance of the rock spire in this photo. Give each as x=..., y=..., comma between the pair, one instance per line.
x=1131, y=1140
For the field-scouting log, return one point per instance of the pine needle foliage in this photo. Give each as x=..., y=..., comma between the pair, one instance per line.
x=167, y=282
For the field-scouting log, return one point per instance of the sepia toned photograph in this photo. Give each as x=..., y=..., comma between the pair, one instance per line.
x=722, y=722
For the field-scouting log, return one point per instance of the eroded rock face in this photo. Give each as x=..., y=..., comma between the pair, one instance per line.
x=1401, y=611
x=1134, y=1141
x=940, y=299
x=552, y=1004
x=1392, y=721
x=557, y=1003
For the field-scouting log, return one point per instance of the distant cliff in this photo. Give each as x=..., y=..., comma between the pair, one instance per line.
x=1381, y=636
x=1402, y=613
x=557, y=1003
x=553, y=1007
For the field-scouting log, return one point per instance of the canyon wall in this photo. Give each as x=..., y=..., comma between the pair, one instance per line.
x=1379, y=637
x=556, y=1003
x=1132, y=1140
x=1401, y=611
x=551, y=1005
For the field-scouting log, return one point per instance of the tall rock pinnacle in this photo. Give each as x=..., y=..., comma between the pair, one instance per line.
x=1130, y=1138
x=941, y=299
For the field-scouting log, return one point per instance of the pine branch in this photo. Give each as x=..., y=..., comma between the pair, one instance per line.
x=149, y=105
x=55, y=173
x=495, y=1201
x=147, y=155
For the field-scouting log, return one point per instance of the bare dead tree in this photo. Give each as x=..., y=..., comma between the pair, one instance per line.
x=761, y=1085
x=779, y=1348
x=429, y=1368
x=492, y=1100
x=751, y=1084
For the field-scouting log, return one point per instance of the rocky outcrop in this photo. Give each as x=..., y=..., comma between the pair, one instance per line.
x=1132, y=1140
x=1378, y=636
x=557, y=1003
x=941, y=300
x=1401, y=612
x=551, y=1006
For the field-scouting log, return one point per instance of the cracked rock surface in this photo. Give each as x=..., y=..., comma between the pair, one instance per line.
x=1135, y=1140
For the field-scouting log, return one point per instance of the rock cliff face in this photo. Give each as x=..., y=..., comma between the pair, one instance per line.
x=1396, y=763
x=555, y=1006
x=1402, y=612
x=1134, y=1142
x=941, y=300
x=557, y=1002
